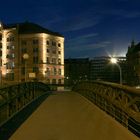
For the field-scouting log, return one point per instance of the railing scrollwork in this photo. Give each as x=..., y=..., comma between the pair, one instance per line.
x=119, y=101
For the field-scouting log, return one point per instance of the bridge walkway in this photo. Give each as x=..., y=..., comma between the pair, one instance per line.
x=69, y=116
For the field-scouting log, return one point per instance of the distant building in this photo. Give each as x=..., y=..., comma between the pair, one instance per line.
x=133, y=60
x=76, y=69
x=102, y=69
x=44, y=48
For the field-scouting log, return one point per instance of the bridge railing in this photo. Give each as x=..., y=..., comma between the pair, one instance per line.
x=15, y=97
x=119, y=101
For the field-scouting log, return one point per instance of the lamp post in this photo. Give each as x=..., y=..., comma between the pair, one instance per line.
x=114, y=61
x=25, y=57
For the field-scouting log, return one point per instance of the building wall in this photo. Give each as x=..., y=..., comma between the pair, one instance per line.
x=46, y=57
x=76, y=69
x=133, y=61
x=102, y=69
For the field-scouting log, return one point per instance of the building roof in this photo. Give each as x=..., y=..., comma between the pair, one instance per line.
x=76, y=60
x=29, y=28
x=134, y=48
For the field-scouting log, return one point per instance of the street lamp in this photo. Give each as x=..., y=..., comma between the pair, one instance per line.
x=25, y=57
x=114, y=61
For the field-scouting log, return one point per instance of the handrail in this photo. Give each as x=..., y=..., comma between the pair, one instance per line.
x=14, y=98
x=120, y=101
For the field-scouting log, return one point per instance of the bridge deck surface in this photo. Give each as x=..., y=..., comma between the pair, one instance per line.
x=69, y=116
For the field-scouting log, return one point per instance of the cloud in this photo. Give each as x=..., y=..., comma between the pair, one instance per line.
x=78, y=21
x=82, y=38
x=88, y=47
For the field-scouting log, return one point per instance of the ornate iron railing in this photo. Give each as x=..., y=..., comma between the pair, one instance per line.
x=119, y=101
x=14, y=98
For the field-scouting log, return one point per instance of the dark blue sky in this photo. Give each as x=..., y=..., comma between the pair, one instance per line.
x=91, y=27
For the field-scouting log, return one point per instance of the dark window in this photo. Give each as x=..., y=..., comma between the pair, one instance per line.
x=10, y=39
x=0, y=53
x=53, y=81
x=10, y=56
x=48, y=50
x=48, y=60
x=48, y=81
x=23, y=42
x=35, y=50
x=23, y=70
x=10, y=65
x=53, y=43
x=35, y=42
x=48, y=42
x=24, y=50
x=35, y=69
x=0, y=37
x=0, y=45
x=10, y=76
x=59, y=71
x=35, y=59
x=10, y=47
x=54, y=51
x=59, y=61
x=55, y=71
x=54, y=60
x=59, y=45
x=59, y=52
x=59, y=81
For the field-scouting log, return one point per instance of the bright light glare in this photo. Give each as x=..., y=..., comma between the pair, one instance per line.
x=113, y=60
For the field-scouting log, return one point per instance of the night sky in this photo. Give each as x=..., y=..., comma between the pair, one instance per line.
x=90, y=27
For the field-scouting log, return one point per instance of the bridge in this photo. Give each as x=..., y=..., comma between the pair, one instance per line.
x=92, y=110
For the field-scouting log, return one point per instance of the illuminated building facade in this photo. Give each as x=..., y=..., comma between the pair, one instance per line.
x=45, y=50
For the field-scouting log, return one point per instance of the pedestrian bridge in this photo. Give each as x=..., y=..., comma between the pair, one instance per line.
x=63, y=115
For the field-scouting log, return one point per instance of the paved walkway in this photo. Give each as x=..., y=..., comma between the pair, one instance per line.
x=68, y=116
